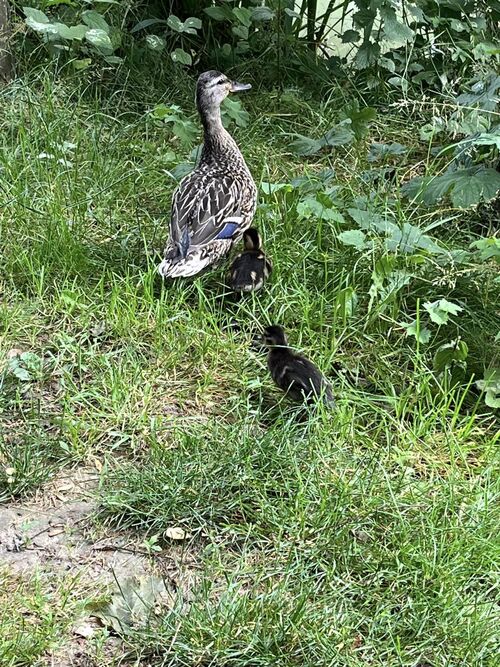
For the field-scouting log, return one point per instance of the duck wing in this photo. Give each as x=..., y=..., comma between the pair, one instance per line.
x=205, y=207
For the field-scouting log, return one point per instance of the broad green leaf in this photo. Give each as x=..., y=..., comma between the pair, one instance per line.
x=262, y=14
x=305, y=145
x=240, y=31
x=439, y=311
x=192, y=24
x=244, y=15
x=100, y=40
x=466, y=187
x=490, y=384
x=395, y=32
x=360, y=118
x=271, y=188
x=155, y=43
x=37, y=20
x=339, y=135
x=346, y=302
x=421, y=334
x=95, y=20
x=35, y=15
x=350, y=36
x=219, y=13
x=367, y=55
x=233, y=110
x=82, y=63
x=354, y=237
x=408, y=238
x=311, y=207
x=380, y=151
x=488, y=248
x=448, y=353
x=77, y=32
x=181, y=56
x=175, y=23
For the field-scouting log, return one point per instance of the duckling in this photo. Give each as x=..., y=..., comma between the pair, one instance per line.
x=294, y=373
x=251, y=267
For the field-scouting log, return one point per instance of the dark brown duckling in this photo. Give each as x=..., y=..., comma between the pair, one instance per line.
x=298, y=377
x=251, y=267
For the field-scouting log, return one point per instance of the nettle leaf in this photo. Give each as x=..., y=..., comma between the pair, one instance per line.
x=369, y=220
x=490, y=384
x=488, y=248
x=100, y=40
x=360, y=118
x=367, y=55
x=95, y=20
x=439, y=311
x=421, y=334
x=181, y=56
x=408, y=238
x=379, y=152
x=305, y=145
x=350, y=37
x=466, y=187
x=312, y=207
x=339, y=135
x=483, y=94
x=354, y=237
x=395, y=32
x=456, y=351
x=233, y=110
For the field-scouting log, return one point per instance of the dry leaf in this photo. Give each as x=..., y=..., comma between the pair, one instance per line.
x=176, y=533
x=15, y=352
x=84, y=630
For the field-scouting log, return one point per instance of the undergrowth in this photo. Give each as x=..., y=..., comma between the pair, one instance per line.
x=364, y=535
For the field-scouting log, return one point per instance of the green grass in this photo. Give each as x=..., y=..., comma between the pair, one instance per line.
x=363, y=536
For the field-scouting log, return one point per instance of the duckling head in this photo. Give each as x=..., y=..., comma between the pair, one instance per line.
x=251, y=239
x=212, y=88
x=274, y=336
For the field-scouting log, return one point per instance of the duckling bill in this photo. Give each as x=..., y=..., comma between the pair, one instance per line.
x=251, y=267
x=298, y=377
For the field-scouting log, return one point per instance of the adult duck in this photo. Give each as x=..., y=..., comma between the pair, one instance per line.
x=215, y=203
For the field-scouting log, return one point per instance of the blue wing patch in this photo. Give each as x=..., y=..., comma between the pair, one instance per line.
x=228, y=230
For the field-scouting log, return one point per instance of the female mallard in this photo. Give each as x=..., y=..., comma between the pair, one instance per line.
x=215, y=203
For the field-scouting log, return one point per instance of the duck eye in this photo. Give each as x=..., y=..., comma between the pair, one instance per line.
x=220, y=82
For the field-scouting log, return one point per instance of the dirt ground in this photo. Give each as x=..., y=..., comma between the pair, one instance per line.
x=53, y=535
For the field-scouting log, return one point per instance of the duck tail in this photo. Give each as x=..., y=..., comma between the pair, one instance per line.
x=197, y=259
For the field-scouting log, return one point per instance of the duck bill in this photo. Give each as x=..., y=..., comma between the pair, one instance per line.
x=237, y=87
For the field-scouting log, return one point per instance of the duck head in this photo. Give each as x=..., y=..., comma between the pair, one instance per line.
x=274, y=336
x=212, y=88
x=251, y=239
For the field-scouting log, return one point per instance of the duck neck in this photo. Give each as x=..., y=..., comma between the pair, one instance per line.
x=217, y=139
